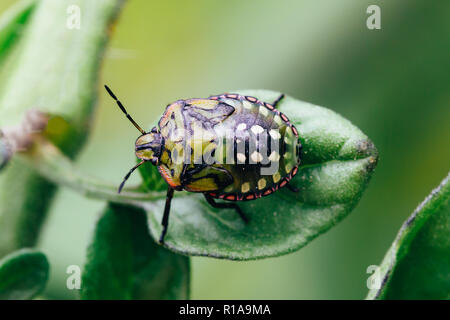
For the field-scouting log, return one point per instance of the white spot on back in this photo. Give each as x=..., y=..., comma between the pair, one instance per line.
x=256, y=157
x=241, y=157
x=274, y=156
x=257, y=129
x=275, y=134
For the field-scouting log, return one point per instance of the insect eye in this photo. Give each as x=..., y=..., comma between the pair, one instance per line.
x=154, y=130
x=154, y=161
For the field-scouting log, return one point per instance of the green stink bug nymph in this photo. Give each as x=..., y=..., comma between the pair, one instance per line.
x=230, y=147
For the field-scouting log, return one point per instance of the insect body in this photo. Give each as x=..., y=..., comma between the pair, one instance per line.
x=229, y=147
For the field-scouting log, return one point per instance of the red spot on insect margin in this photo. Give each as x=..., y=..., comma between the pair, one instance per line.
x=214, y=98
x=295, y=131
x=267, y=192
x=250, y=197
x=231, y=197
x=232, y=96
x=294, y=171
x=283, y=183
x=251, y=99
x=221, y=196
x=268, y=106
x=213, y=194
x=284, y=117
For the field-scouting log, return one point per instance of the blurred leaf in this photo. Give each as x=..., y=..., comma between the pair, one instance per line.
x=23, y=274
x=52, y=68
x=338, y=161
x=5, y=152
x=12, y=23
x=417, y=266
x=123, y=261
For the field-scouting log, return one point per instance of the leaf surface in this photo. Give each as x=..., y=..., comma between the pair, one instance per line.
x=49, y=66
x=123, y=262
x=23, y=274
x=417, y=266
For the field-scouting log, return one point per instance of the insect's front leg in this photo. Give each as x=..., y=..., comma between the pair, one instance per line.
x=165, y=219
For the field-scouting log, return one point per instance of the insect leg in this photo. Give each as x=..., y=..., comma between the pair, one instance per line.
x=292, y=188
x=165, y=219
x=218, y=205
x=278, y=100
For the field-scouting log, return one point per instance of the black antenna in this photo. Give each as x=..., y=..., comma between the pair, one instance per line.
x=123, y=109
x=129, y=174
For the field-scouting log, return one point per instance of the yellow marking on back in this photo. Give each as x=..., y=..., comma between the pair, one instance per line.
x=203, y=103
x=288, y=167
x=247, y=105
x=261, y=183
x=205, y=184
x=264, y=111
x=277, y=119
x=276, y=177
x=245, y=187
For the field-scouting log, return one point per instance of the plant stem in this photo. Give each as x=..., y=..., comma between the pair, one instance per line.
x=49, y=161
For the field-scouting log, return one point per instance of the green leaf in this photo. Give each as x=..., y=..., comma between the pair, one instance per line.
x=54, y=69
x=417, y=266
x=5, y=152
x=338, y=161
x=23, y=274
x=123, y=261
x=47, y=66
x=12, y=23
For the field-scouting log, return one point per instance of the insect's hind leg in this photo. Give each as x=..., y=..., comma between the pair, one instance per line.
x=275, y=103
x=165, y=219
x=218, y=205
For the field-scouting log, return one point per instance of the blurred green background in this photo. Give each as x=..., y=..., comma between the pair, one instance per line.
x=393, y=83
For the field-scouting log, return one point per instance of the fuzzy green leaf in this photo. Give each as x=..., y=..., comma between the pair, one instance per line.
x=337, y=163
x=23, y=274
x=417, y=266
x=50, y=66
x=123, y=261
